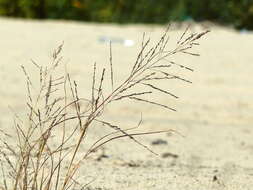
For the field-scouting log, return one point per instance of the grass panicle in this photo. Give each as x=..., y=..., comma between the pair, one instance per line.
x=39, y=162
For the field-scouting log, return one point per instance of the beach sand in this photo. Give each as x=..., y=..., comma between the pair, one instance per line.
x=214, y=113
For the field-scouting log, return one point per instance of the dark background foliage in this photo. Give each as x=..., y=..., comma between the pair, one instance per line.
x=238, y=13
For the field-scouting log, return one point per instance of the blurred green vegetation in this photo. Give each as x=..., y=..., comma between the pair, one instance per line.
x=236, y=12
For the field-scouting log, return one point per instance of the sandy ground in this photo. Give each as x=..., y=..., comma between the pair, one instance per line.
x=214, y=113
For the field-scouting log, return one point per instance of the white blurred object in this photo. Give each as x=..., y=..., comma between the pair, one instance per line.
x=128, y=43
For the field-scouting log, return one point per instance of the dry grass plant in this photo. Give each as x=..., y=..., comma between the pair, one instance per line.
x=38, y=162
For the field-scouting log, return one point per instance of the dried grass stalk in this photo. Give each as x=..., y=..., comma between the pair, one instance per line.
x=37, y=163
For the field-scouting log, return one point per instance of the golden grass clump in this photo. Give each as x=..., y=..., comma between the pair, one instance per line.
x=41, y=163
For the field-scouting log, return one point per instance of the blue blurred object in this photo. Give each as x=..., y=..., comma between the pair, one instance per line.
x=124, y=42
x=244, y=31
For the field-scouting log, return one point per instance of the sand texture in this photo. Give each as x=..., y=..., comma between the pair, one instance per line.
x=214, y=113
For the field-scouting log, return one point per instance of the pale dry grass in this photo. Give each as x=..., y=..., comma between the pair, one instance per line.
x=40, y=163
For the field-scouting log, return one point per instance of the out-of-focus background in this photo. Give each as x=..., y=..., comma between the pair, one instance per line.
x=238, y=13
